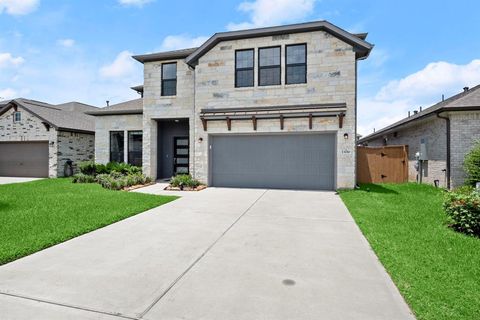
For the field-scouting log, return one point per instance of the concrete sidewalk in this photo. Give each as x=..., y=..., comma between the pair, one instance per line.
x=214, y=254
x=7, y=180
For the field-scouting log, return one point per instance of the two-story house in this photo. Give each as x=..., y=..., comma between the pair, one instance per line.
x=270, y=107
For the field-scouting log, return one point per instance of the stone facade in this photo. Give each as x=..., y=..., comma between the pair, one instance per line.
x=433, y=130
x=61, y=145
x=105, y=124
x=464, y=133
x=74, y=146
x=156, y=107
x=331, y=78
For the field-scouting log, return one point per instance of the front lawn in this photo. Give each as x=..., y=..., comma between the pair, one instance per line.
x=436, y=269
x=39, y=214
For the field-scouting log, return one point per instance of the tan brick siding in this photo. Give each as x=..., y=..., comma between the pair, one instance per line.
x=74, y=146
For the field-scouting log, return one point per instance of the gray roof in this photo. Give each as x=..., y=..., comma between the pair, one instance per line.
x=165, y=55
x=191, y=56
x=466, y=100
x=67, y=116
x=138, y=88
x=127, y=107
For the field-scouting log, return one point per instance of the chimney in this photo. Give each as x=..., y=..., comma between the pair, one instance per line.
x=108, y=103
x=465, y=89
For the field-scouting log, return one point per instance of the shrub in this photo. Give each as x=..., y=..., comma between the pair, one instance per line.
x=462, y=206
x=117, y=181
x=184, y=180
x=83, y=178
x=87, y=167
x=472, y=165
x=100, y=168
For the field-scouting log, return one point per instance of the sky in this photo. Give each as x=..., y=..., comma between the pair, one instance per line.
x=57, y=51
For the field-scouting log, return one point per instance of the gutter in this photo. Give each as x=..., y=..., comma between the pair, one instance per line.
x=447, y=121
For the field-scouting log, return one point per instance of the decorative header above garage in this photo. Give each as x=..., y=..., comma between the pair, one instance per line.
x=254, y=114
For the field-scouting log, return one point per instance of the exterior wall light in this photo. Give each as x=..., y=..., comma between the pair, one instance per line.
x=345, y=136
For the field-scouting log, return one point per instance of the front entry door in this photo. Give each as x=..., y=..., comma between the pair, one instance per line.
x=180, y=155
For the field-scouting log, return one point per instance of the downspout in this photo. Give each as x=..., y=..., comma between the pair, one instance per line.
x=194, y=142
x=447, y=122
x=356, y=122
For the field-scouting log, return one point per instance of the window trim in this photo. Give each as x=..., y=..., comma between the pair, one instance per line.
x=110, y=144
x=270, y=67
x=128, y=145
x=15, y=116
x=169, y=80
x=295, y=64
x=245, y=69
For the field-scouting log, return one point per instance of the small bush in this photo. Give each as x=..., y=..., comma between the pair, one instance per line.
x=462, y=206
x=118, y=181
x=87, y=167
x=83, y=178
x=100, y=168
x=472, y=165
x=184, y=180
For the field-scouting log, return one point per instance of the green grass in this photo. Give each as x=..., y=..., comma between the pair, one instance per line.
x=436, y=269
x=36, y=215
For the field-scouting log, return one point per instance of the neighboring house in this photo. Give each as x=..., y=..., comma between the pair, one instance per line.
x=442, y=134
x=271, y=107
x=37, y=139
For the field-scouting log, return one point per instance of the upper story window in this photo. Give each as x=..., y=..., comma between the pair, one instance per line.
x=296, y=63
x=17, y=116
x=244, y=68
x=169, y=79
x=269, y=69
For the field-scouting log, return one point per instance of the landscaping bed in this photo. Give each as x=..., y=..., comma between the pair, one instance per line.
x=39, y=214
x=435, y=268
x=184, y=182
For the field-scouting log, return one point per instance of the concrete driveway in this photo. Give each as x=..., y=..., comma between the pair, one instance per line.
x=214, y=254
x=7, y=180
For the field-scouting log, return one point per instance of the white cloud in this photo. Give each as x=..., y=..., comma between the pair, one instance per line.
x=134, y=3
x=7, y=60
x=272, y=12
x=422, y=88
x=181, y=41
x=67, y=43
x=7, y=93
x=18, y=7
x=122, y=66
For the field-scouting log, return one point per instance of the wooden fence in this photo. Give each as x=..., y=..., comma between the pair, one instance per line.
x=388, y=164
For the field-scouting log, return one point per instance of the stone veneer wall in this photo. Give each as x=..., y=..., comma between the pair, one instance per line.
x=74, y=146
x=465, y=132
x=434, y=130
x=331, y=78
x=30, y=128
x=156, y=106
x=105, y=124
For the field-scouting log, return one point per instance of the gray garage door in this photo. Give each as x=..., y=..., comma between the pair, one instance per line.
x=24, y=159
x=286, y=161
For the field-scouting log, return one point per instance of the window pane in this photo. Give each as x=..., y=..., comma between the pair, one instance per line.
x=169, y=87
x=169, y=71
x=296, y=74
x=245, y=78
x=116, y=146
x=296, y=54
x=244, y=59
x=269, y=56
x=135, y=148
x=269, y=76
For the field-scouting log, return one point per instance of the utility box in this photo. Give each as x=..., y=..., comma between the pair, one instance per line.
x=423, y=149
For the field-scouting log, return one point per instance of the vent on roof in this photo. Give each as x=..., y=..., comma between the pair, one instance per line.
x=465, y=89
x=415, y=111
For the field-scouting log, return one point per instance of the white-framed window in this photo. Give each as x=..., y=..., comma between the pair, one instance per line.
x=17, y=116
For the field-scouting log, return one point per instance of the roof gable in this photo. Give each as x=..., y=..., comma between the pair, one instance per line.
x=361, y=47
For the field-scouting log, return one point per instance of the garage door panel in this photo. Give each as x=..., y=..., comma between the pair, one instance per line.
x=287, y=161
x=24, y=159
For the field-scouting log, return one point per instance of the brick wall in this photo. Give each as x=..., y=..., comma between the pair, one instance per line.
x=433, y=130
x=74, y=146
x=465, y=131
